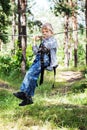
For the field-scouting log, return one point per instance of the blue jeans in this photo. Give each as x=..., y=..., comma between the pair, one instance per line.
x=30, y=80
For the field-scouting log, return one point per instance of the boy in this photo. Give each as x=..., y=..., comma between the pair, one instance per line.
x=42, y=60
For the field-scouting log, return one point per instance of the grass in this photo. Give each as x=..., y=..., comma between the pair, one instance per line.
x=61, y=108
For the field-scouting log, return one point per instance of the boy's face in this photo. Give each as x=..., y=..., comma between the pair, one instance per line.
x=46, y=33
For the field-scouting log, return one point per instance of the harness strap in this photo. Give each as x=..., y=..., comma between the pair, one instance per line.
x=43, y=51
x=42, y=76
x=54, y=69
x=42, y=69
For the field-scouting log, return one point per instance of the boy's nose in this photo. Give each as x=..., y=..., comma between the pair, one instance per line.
x=44, y=33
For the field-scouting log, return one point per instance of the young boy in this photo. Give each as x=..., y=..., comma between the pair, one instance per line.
x=48, y=43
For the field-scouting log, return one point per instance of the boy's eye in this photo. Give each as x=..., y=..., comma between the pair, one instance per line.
x=44, y=31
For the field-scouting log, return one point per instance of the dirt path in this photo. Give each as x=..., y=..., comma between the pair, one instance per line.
x=69, y=76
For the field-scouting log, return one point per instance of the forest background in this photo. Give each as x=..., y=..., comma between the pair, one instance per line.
x=20, y=20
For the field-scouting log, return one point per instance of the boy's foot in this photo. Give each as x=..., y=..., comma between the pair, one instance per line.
x=26, y=102
x=20, y=95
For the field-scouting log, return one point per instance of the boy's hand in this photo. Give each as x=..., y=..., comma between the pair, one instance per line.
x=37, y=38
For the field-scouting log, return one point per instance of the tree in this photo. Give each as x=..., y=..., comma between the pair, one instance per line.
x=86, y=26
x=4, y=19
x=66, y=42
x=13, y=23
x=22, y=39
x=64, y=8
x=68, y=9
x=75, y=28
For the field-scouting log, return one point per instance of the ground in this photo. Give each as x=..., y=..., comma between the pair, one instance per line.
x=69, y=76
x=56, y=105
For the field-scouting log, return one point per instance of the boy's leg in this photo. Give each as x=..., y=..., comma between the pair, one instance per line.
x=30, y=80
x=29, y=84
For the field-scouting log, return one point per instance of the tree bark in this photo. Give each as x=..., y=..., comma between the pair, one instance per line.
x=66, y=62
x=19, y=24
x=75, y=34
x=22, y=32
x=0, y=45
x=75, y=37
x=86, y=26
x=13, y=26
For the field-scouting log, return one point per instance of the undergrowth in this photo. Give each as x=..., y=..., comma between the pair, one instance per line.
x=63, y=107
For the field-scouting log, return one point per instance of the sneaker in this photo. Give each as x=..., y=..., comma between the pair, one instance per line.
x=26, y=102
x=20, y=95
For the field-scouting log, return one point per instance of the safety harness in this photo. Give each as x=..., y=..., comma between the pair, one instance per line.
x=43, y=50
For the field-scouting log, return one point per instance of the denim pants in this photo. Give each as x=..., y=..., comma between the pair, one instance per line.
x=30, y=80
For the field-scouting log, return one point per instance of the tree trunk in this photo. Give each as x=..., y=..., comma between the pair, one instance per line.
x=75, y=36
x=19, y=24
x=13, y=26
x=22, y=31
x=86, y=26
x=66, y=59
x=0, y=45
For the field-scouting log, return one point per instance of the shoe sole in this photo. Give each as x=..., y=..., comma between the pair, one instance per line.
x=25, y=104
x=18, y=97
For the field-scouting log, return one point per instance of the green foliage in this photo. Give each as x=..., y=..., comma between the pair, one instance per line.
x=5, y=64
x=62, y=7
x=29, y=56
x=81, y=55
x=4, y=13
x=77, y=88
x=5, y=5
x=3, y=24
x=32, y=24
x=81, y=27
x=9, y=64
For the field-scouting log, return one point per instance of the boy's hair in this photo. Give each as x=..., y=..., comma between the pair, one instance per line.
x=48, y=26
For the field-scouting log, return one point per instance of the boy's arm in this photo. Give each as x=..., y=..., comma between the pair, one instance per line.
x=35, y=47
x=53, y=52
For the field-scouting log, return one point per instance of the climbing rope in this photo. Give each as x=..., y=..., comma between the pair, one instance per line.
x=33, y=35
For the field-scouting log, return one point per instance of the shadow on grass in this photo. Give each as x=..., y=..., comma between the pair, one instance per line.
x=61, y=115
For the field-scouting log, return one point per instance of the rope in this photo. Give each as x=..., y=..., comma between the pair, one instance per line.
x=71, y=31
x=33, y=35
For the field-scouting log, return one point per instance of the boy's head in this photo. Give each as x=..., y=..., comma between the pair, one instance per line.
x=47, y=30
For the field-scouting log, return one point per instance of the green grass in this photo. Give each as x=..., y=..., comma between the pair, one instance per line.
x=53, y=109
x=14, y=79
